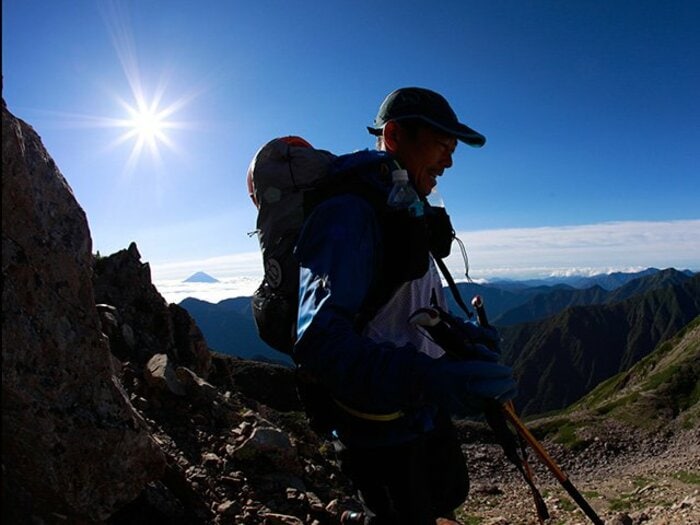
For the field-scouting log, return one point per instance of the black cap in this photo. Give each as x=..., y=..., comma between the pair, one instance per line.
x=424, y=104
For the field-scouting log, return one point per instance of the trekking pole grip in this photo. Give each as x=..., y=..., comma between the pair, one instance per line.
x=478, y=304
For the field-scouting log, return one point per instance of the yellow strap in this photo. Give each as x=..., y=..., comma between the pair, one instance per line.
x=393, y=416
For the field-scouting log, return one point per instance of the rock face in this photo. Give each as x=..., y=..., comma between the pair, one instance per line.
x=114, y=410
x=144, y=324
x=72, y=444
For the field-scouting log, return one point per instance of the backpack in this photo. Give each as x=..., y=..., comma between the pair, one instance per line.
x=281, y=172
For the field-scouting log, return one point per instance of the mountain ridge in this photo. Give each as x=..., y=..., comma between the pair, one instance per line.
x=584, y=345
x=229, y=327
x=663, y=383
x=548, y=302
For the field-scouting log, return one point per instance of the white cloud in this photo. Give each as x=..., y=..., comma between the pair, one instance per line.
x=238, y=265
x=238, y=275
x=514, y=253
x=584, y=249
x=175, y=291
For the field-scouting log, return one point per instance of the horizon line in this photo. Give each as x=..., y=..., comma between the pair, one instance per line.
x=602, y=247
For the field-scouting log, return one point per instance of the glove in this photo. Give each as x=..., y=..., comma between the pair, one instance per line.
x=459, y=338
x=480, y=352
x=474, y=332
x=464, y=386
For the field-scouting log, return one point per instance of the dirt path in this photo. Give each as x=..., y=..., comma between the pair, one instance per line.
x=653, y=483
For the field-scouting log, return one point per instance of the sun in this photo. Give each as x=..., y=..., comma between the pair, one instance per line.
x=150, y=117
x=147, y=125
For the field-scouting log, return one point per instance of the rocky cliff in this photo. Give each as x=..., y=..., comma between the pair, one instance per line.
x=107, y=415
x=72, y=445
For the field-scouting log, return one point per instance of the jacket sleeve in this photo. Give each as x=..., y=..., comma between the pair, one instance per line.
x=339, y=254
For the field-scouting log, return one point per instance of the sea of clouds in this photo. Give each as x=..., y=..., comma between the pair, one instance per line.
x=515, y=253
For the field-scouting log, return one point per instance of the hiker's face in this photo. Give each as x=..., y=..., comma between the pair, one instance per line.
x=426, y=154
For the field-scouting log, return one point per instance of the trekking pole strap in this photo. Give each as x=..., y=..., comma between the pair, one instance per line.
x=510, y=443
x=526, y=470
x=509, y=410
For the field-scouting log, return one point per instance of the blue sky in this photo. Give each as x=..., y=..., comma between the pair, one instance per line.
x=590, y=110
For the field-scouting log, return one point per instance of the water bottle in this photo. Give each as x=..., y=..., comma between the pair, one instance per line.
x=435, y=199
x=403, y=196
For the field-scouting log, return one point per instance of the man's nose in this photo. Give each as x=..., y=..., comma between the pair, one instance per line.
x=447, y=160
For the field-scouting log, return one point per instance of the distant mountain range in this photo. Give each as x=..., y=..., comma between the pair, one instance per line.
x=512, y=302
x=607, y=281
x=562, y=340
x=229, y=328
x=559, y=359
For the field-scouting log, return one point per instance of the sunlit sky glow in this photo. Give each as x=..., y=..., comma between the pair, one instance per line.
x=153, y=110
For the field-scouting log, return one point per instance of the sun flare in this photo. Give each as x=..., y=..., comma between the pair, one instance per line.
x=148, y=124
x=146, y=118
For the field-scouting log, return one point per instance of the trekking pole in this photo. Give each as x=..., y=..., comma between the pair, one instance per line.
x=509, y=411
x=561, y=476
x=542, y=512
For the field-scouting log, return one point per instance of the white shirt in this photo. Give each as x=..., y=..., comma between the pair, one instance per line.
x=391, y=322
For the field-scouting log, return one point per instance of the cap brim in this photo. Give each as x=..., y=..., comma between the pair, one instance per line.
x=461, y=132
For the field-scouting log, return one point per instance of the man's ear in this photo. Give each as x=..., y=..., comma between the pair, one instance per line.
x=392, y=135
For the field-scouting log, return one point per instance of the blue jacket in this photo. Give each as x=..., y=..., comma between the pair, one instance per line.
x=340, y=253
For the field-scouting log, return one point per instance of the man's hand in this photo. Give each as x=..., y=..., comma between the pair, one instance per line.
x=460, y=339
x=464, y=386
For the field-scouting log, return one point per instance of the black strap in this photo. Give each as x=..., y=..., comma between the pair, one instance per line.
x=453, y=287
x=507, y=440
x=526, y=471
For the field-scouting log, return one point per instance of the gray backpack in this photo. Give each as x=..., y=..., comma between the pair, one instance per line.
x=282, y=172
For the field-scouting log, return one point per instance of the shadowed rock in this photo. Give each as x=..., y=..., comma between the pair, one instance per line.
x=72, y=444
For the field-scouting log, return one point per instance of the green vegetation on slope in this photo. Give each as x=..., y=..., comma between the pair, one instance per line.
x=661, y=387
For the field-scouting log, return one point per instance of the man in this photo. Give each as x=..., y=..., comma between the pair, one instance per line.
x=384, y=389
